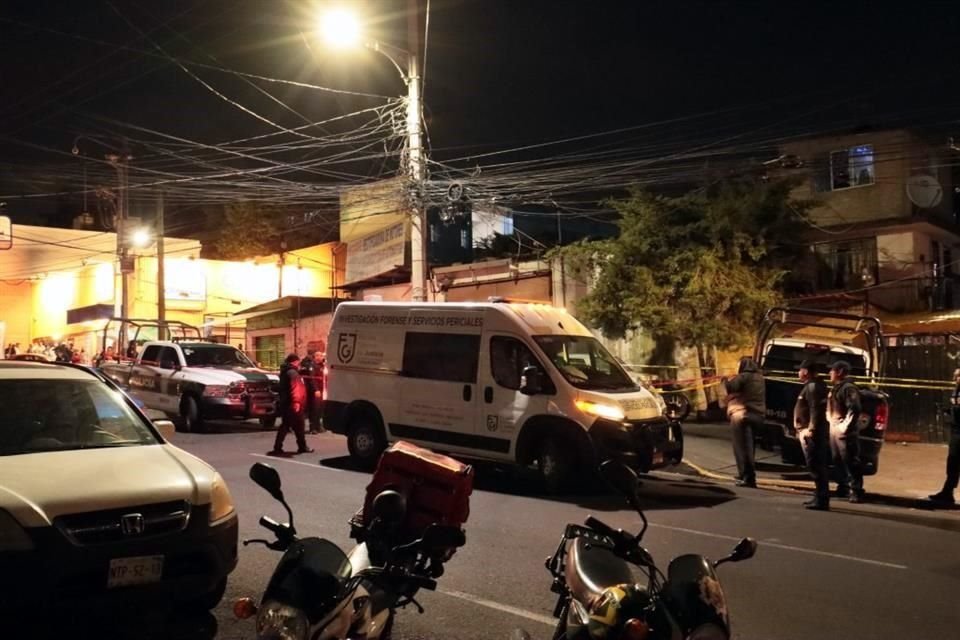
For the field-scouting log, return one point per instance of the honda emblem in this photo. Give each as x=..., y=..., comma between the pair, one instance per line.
x=131, y=524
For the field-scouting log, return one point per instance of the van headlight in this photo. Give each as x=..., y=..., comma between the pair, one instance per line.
x=221, y=502
x=281, y=621
x=601, y=410
x=12, y=535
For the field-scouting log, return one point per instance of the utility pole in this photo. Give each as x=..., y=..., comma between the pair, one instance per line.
x=418, y=257
x=119, y=162
x=161, y=285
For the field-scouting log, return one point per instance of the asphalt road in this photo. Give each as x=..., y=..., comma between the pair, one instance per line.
x=816, y=575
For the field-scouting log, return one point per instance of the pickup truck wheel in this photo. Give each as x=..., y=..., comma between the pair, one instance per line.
x=190, y=415
x=268, y=423
x=365, y=440
x=556, y=462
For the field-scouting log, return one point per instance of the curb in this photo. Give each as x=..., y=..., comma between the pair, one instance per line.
x=878, y=499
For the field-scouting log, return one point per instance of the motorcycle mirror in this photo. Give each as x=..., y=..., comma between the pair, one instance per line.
x=443, y=537
x=268, y=479
x=744, y=550
x=620, y=477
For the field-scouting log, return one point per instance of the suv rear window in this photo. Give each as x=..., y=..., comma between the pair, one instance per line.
x=60, y=415
x=787, y=358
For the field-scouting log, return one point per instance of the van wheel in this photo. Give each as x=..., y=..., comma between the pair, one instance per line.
x=556, y=462
x=365, y=440
x=190, y=419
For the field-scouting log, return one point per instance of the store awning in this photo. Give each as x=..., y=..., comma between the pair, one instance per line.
x=237, y=318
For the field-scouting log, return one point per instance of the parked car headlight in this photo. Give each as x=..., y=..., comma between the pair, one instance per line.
x=216, y=390
x=281, y=621
x=12, y=535
x=221, y=502
x=708, y=632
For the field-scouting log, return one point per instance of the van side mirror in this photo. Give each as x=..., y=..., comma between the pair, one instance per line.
x=530, y=381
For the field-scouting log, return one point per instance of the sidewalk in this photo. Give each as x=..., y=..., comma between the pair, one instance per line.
x=907, y=473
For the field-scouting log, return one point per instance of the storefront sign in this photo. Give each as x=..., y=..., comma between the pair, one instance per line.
x=376, y=254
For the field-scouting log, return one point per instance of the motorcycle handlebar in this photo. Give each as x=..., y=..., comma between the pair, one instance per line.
x=602, y=528
x=270, y=525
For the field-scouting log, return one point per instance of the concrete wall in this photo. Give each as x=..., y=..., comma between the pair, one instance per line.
x=898, y=154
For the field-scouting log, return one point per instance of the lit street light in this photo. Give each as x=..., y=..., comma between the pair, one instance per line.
x=340, y=28
x=141, y=238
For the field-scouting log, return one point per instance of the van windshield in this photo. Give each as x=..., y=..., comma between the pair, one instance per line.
x=786, y=358
x=585, y=364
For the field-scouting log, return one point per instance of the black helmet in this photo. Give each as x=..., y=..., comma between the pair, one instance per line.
x=390, y=506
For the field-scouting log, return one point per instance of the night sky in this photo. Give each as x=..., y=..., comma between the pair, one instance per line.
x=676, y=76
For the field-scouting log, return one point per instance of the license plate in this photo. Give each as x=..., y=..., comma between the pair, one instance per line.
x=261, y=410
x=125, y=572
x=658, y=458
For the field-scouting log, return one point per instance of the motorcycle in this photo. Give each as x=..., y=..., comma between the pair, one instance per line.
x=319, y=592
x=598, y=599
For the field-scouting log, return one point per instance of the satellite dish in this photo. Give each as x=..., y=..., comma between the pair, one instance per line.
x=924, y=191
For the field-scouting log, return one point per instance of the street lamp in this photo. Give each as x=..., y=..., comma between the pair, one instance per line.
x=141, y=238
x=340, y=28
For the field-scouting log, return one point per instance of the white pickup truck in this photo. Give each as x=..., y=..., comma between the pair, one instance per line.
x=198, y=381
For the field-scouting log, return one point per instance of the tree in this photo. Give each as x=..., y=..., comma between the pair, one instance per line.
x=697, y=269
x=247, y=229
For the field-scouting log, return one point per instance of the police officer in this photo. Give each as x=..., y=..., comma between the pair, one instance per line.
x=945, y=495
x=813, y=431
x=843, y=413
x=310, y=373
x=293, y=405
x=746, y=407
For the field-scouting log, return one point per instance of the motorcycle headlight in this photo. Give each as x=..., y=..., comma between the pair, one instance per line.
x=282, y=622
x=12, y=535
x=221, y=502
x=708, y=631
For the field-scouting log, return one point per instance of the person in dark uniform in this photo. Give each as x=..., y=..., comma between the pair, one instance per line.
x=813, y=431
x=945, y=495
x=293, y=404
x=311, y=372
x=843, y=413
x=746, y=407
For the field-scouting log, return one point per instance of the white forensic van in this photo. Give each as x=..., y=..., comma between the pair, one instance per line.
x=510, y=382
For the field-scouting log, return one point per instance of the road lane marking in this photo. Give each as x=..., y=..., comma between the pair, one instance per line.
x=305, y=464
x=786, y=547
x=708, y=534
x=504, y=608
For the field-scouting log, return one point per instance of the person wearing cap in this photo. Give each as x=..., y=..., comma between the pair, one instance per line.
x=945, y=495
x=746, y=407
x=813, y=431
x=293, y=404
x=843, y=413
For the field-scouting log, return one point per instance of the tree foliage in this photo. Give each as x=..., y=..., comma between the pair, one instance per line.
x=697, y=269
x=247, y=229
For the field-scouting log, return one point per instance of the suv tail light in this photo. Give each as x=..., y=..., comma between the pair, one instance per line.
x=883, y=413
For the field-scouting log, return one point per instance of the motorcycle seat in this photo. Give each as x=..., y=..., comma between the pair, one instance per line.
x=590, y=569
